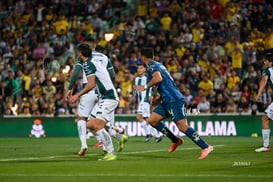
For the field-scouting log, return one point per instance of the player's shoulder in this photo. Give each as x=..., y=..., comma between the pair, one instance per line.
x=268, y=70
x=79, y=63
x=98, y=54
x=153, y=66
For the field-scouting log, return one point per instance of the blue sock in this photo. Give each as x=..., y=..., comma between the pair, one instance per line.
x=163, y=129
x=193, y=135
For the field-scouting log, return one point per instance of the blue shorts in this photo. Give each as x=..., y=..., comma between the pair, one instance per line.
x=174, y=109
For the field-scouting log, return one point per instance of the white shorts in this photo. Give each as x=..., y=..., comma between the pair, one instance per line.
x=106, y=110
x=144, y=109
x=111, y=120
x=269, y=111
x=87, y=103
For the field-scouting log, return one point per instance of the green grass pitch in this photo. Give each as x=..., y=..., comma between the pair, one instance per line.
x=55, y=159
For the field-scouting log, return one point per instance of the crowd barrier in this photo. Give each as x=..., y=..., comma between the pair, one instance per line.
x=205, y=125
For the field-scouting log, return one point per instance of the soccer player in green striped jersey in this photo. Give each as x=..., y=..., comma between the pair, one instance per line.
x=267, y=78
x=143, y=108
x=98, y=77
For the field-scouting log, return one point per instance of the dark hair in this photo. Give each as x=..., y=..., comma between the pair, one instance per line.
x=269, y=56
x=90, y=39
x=147, y=52
x=85, y=50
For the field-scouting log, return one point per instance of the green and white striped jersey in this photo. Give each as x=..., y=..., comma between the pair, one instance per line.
x=269, y=73
x=104, y=84
x=142, y=96
x=103, y=59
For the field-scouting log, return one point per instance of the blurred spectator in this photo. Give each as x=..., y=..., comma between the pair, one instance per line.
x=203, y=106
x=233, y=80
x=132, y=62
x=38, y=40
x=231, y=106
x=25, y=112
x=166, y=21
x=3, y=96
x=49, y=89
x=206, y=85
x=12, y=87
x=244, y=106
x=219, y=105
x=187, y=97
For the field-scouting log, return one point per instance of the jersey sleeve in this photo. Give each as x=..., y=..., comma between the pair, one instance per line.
x=89, y=68
x=75, y=73
x=111, y=70
x=266, y=72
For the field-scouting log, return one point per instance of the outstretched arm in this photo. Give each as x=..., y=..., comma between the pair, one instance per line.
x=74, y=76
x=90, y=85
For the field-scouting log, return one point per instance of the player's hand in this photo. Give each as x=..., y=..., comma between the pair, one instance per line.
x=139, y=88
x=256, y=98
x=73, y=99
x=68, y=95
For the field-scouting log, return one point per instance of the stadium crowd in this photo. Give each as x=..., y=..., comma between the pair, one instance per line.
x=213, y=49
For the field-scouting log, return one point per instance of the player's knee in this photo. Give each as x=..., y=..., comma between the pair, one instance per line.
x=182, y=125
x=265, y=119
x=139, y=117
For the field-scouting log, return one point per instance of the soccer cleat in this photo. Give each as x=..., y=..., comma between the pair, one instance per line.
x=158, y=139
x=263, y=149
x=108, y=157
x=205, y=152
x=123, y=139
x=104, y=153
x=82, y=152
x=175, y=145
x=148, y=138
x=98, y=145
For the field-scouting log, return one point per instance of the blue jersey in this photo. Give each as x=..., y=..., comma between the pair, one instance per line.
x=166, y=88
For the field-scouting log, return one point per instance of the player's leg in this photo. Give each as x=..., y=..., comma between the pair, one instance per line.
x=112, y=124
x=146, y=113
x=156, y=134
x=179, y=117
x=81, y=125
x=144, y=125
x=143, y=112
x=116, y=132
x=93, y=115
x=86, y=104
x=155, y=120
x=266, y=129
x=121, y=138
x=104, y=113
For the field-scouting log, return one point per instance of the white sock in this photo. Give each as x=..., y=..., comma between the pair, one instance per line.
x=266, y=135
x=120, y=130
x=106, y=140
x=145, y=126
x=154, y=132
x=114, y=133
x=98, y=138
x=82, y=133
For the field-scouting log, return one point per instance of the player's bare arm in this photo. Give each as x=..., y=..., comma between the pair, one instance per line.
x=262, y=85
x=90, y=85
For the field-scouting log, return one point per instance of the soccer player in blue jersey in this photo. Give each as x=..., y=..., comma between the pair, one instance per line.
x=268, y=115
x=171, y=105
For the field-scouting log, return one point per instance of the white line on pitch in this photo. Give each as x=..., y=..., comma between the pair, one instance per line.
x=136, y=152
x=138, y=175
